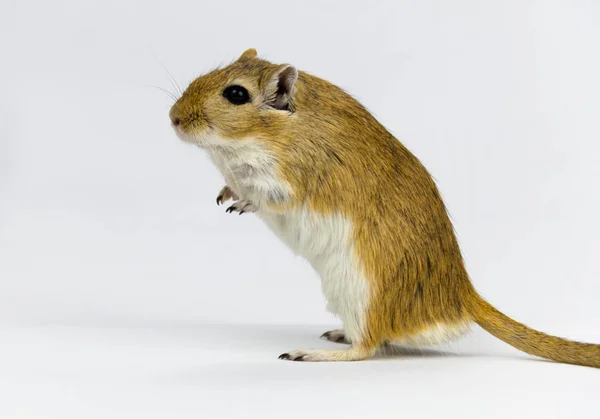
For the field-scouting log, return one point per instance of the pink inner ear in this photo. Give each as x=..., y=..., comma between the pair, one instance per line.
x=287, y=79
x=285, y=86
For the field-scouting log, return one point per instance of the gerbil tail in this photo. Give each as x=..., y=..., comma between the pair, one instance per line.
x=531, y=341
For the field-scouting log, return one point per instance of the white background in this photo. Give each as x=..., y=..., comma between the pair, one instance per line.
x=126, y=292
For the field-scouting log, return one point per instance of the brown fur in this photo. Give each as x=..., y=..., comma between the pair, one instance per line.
x=338, y=158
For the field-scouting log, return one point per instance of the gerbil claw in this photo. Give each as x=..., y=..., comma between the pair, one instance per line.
x=337, y=336
x=242, y=207
x=289, y=357
x=225, y=195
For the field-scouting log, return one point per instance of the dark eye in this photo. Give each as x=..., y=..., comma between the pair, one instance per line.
x=237, y=95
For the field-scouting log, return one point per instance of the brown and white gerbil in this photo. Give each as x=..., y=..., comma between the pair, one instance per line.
x=341, y=191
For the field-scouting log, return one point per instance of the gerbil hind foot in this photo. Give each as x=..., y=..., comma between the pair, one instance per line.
x=225, y=195
x=329, y=355
x=337, y=336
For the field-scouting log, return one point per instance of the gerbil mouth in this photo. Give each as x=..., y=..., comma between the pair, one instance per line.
x=195, y=138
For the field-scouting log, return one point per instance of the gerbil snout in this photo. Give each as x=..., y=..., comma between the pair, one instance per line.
x=175, y=116
x=186, y=115
x=188, y=124
x=175, y=120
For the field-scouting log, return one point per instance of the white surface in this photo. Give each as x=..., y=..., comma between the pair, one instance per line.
x=108, y=220
x=199, y=371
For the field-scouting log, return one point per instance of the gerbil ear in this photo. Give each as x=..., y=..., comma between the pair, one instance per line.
x=280, y=88
x=249, y=53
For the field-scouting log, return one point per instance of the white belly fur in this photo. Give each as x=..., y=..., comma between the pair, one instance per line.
x=325, y=241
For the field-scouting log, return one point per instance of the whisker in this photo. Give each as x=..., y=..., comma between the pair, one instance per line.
x=165, y=91
x=171, y=78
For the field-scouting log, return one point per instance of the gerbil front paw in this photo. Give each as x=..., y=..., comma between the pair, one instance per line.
x=242, y=207
x=225, y=195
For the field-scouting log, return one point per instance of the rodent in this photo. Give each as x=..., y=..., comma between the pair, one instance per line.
x=341, y=191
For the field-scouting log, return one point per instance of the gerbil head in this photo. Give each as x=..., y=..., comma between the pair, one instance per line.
x=240, y=101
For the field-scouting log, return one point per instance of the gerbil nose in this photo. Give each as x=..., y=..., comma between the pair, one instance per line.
x=175, y=120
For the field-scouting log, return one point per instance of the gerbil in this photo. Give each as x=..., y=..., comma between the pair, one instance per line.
x=341, y=191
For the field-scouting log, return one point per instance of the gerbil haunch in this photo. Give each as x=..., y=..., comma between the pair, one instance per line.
x=341, y=191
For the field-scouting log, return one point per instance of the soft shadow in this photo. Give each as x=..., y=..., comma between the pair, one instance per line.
x=396, y=351
x=266, y=338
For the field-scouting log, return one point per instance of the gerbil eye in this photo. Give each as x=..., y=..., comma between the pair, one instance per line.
x=237, y=95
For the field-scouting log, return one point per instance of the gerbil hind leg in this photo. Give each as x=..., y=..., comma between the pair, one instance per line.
x=355, y=353
x=362, y=347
